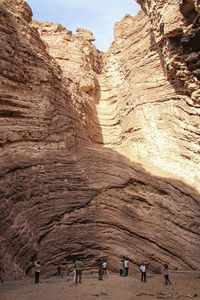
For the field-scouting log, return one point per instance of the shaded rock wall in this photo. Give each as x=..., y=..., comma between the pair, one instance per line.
x=175, y=29
x=99, y=151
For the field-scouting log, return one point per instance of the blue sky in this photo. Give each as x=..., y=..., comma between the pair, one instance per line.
x=97, y=16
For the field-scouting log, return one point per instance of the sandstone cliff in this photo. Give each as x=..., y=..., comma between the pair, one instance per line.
x=100, y=151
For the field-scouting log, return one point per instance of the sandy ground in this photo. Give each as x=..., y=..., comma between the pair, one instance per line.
x=185, y=285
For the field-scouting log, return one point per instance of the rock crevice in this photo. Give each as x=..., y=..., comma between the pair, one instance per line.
x=99, y=151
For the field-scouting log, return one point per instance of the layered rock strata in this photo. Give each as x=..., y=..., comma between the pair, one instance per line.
x=99, y=151
x=175, y=29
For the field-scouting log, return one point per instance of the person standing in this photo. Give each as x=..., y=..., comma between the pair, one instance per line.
x=1, y=273
x=143, y=272
x=78, y=267
x=126, y=264
x=59, y=272
x=100, y=270
x=37, y=271
x=166, y=274
x=74, y=273
x=121, y=267
x=104, y=267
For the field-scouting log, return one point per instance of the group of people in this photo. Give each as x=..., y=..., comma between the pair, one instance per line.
x=102, y=264
x=77, y=271
x=123, y=267
x=165, y=272
x=102, y=268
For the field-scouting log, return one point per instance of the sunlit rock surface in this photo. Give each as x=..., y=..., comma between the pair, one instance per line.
x=99, y=151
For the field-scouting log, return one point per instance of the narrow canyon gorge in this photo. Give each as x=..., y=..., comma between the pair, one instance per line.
x=100, y=151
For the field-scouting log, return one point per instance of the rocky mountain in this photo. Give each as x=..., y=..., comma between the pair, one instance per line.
x=100, y=151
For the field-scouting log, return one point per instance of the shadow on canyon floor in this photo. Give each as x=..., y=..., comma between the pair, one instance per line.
x=73, y=197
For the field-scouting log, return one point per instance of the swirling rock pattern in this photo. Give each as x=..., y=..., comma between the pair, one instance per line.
x=99, y=151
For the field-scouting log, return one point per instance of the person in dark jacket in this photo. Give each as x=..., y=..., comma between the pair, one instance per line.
x=100, y=270
x=59, y=274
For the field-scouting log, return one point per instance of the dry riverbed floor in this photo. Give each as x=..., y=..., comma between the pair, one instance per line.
x=185, y=285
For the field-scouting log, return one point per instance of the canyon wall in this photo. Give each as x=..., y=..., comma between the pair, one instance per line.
x=99, y=151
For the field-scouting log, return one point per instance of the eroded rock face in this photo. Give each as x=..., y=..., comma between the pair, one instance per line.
x=85, y=34
x=175, y=28
x=19, y=8
x=99, y=151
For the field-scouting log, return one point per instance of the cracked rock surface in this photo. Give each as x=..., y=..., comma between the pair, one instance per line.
x=99, y=151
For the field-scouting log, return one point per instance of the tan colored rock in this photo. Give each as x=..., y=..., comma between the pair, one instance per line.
x=19, y=9
x=99, y=151
x=197, y=5
x=85, y=34
x=177, y=35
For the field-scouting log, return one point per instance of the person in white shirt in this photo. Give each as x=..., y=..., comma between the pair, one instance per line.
x=104, y=267
x=126, y=263
x=37, y=271
x=143, y=272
